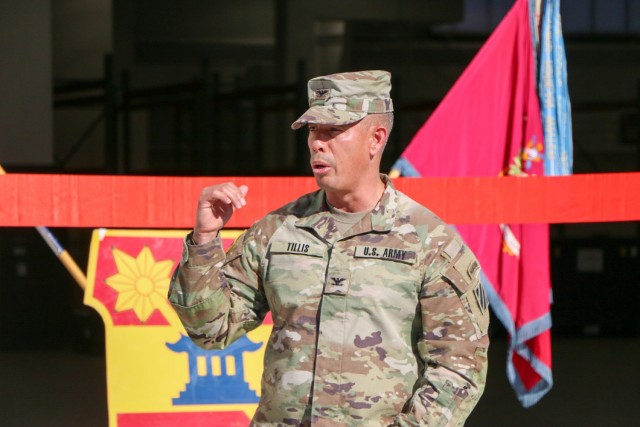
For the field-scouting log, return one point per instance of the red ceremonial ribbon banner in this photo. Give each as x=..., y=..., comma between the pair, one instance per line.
x=169, y=202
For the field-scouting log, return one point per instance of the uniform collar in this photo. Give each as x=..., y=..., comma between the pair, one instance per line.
x=381, y=219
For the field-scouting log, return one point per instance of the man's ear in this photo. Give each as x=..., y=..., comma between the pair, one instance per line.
x=378, y=140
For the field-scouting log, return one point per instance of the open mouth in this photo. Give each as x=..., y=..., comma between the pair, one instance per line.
x=319, y=167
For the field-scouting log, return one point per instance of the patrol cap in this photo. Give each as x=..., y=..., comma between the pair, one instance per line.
x=344, y=98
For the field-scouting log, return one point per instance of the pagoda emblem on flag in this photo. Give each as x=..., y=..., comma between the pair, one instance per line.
x=213, y=371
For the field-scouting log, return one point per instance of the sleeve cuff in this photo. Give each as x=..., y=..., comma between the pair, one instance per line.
x=209, y=253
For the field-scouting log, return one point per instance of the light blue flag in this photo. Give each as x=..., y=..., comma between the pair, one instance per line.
x=553, y=91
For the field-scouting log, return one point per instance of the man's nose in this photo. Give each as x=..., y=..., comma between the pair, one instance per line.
x=317, y=142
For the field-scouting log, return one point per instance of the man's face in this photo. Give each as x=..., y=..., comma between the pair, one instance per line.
x=340, y=155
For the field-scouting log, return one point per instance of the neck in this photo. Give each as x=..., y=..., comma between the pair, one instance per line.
x=364, y=198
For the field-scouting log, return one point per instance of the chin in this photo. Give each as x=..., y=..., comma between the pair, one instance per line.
x=324, y=182
x=321, y=181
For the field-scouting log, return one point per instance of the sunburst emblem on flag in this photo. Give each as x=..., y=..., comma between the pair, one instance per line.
x=142, y=282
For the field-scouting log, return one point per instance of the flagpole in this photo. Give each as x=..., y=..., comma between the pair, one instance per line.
x=60, y=252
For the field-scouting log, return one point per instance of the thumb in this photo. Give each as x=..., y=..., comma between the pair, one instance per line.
x=244, y=190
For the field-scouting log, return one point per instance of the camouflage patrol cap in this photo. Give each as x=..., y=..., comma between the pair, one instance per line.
x=343, y=98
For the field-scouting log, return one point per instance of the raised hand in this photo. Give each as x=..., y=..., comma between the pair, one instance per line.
x=215, y=206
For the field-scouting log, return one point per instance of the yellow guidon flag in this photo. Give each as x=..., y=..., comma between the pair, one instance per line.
x=155, y=374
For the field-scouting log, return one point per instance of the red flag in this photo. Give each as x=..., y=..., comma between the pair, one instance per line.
x=489, y=124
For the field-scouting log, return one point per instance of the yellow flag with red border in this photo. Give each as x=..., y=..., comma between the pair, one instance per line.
x=155, y=375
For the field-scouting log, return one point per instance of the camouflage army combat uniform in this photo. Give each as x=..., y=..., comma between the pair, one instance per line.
x=384, y=325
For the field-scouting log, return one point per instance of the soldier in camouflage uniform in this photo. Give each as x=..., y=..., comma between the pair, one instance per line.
x=379, y=318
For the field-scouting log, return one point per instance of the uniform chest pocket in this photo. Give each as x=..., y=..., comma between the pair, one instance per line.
x=386, y=277
x=294, y=273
